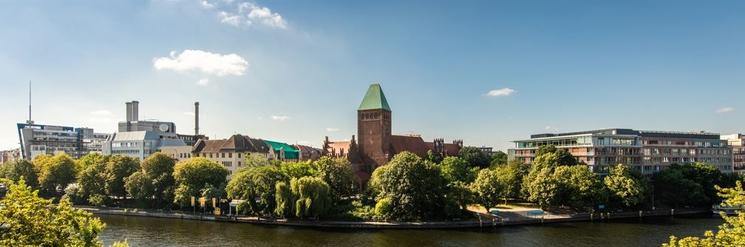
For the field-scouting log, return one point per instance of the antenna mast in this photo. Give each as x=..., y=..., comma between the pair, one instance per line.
x=29, y=121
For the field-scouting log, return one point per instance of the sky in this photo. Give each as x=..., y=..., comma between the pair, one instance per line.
x=487, y=72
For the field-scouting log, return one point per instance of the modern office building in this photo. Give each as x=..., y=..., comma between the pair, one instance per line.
x=645, y=151
x=737, y=144
x=38, y=139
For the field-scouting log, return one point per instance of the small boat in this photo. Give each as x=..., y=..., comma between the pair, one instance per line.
x=730, y=211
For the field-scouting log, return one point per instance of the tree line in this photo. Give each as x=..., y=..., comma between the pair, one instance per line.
x=408, y=188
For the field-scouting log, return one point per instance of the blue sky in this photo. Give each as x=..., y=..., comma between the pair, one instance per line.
x=295, y=71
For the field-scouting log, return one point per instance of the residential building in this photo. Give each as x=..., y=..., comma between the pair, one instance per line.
x=231, y=152
x=10, y=155
x=737, y=144
x=377, y=145
x=308, y=152
x=645, y=151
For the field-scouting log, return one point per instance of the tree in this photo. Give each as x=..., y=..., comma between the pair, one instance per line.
x=153, y=180
x=297, y=169
x=92, y=179
x=490, y=188
x=139, y=186
x=15, y=170
x=475, y=157
x=623, y=187
x=731, y=233
x=285, y=200
x=455, y=169
x=55, y=172
x=337, y=173
x=89, y=160
x=512, y=174
x=197, y=175
x=542, y=188
x=412, y=189
x=29, y=220
x=578, y=187
x=117, y=169
x=498, y=158
x=313, y=197
x=254, y=160
x=434, y=157
x=257, y=187
x=460, y=194
x=673, y=188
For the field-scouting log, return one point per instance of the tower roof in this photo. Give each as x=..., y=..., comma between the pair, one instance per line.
x=374, y=99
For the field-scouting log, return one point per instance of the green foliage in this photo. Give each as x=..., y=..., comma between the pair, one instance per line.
x=195, y=176
x=158, y=168
x=623, y=187
x=413, y=189
x=675, y=187
x=118, y=168
x=434, y=157
x=460, y=194
x=256, y=160
x=285, y=200
x=512, y=174
x=256, y=182
x=15, y=170
x=578, y=187
x=337, y=173
x=55, y=172
x=490, y=188
x=98, y=200
x=731, y=233
x=455, y=169
x=32, y=221
x=542, y=188
x=139, y=186
x=313, y=197
x=297, y=169
x=92, y=179
x=498, y=158
x=474, y=157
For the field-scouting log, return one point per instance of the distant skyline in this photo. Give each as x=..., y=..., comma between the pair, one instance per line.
x=487, y=72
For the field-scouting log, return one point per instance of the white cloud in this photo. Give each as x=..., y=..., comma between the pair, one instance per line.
x=203, y=61
x=203, y=82
x=101, y=113
x=280, y=118
x=244, y=14
x=725, y=110
x=501, y=92
x=332, y=129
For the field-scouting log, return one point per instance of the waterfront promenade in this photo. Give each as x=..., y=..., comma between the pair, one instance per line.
x=484, y=221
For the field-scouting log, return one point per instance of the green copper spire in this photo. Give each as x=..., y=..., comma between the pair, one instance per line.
x=374, y=99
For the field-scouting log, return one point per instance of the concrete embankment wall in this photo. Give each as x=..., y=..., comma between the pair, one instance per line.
x=585, y=217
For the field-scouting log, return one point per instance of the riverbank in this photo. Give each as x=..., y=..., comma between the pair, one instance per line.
x=484, y=221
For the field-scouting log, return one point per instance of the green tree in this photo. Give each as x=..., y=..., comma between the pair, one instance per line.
x=89, y=160
x=139, y=186
x=15, y=170
x=731, y=233
x=512, y=174
x=434, y=157
x=461, y=194
x=337, y=173
x=413, y=189
x=92, y=179
x=153, y=180
x=195, y=176
x=455, y=169
x=118, y=168
x=623, y=187
x=313, y=197
x=29, y=220
x=55, y=172
x=542, y=188
x=285, y=200
x=297, y=169
x=475, y=157
x=498, y=158
x=255, y=160
x=673, y=188
x=578, y=187
x=252, y=183
x=490, y=188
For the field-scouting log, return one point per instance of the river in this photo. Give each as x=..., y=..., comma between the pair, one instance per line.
x=141, y=231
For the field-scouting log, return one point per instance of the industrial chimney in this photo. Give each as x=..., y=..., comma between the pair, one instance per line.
x=196, y=118
x=135, y=111
x=129, y=111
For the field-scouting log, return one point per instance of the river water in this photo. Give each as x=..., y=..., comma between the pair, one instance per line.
x=141, y=231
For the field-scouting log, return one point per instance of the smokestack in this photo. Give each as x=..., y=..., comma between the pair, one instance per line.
x=135, y=110
x=129, y=111
x=196, y=118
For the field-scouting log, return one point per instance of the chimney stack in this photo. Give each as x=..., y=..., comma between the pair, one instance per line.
x=196, y=118
x=135, y=110
x=129, y=111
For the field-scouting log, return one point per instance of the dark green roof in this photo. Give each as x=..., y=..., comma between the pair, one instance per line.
x=374, y=99
x=290, y=151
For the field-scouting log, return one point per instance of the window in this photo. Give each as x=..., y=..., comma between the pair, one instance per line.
x=230, y=155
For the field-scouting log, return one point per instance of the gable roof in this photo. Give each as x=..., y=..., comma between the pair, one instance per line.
x=236, y=143
x=413, y=144
x=374, y=99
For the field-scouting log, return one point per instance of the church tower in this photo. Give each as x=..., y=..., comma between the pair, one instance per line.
x=374, y=128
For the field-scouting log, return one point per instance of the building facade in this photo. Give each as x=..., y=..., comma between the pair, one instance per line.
x=140, y=139
x=375, y=145
x=39, y=139
x=10, y=155
x=737, y=144
x=645, y=151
